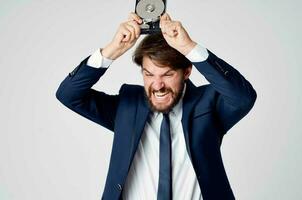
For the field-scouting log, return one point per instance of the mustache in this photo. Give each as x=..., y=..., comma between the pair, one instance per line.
x=162, y=90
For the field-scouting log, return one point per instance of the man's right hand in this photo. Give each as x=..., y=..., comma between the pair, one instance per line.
x=125, y=37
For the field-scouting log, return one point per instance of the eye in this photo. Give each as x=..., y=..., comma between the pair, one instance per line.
x=169, y=74
x=148, y=74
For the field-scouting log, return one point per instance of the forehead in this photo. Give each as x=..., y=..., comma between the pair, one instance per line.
x=152, y=66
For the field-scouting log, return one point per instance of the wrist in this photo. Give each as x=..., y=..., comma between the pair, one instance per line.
x=110, y=52
x=186, y=49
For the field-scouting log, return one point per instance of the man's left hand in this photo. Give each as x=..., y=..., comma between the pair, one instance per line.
x=175, y=35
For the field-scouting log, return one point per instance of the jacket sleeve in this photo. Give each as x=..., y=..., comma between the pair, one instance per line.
x=75, y=92
x=235, y=95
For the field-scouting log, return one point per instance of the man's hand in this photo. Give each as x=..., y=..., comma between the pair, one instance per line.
x=175, y=35
x=125, y=37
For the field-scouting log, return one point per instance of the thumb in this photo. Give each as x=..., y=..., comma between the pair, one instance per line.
x=166, y=17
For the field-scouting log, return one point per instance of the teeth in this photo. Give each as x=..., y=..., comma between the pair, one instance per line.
x=160, y=95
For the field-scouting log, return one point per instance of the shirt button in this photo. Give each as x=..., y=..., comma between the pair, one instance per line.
x=119, y=187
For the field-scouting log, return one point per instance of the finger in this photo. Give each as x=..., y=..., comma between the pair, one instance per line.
x=136, y=27
x=134, y=17
x=165, y=25
x=122, y=33
x=126, y=35
x=127, y=31
x=171, y=29
x=168, y=17
x=132, y=31
x=165, y=17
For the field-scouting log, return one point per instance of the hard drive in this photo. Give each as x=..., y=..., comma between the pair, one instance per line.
x=150, y=12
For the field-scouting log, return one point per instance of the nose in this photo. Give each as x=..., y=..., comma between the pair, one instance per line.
x=158, y=84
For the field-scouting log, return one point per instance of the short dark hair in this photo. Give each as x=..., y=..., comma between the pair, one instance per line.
x=159, y=51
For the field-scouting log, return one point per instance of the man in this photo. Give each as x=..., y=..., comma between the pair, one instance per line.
x=167, y=134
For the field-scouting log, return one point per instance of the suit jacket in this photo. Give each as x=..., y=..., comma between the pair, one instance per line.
x=209, y=111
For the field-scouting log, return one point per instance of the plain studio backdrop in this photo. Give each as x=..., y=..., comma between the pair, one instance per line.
x=48, y=152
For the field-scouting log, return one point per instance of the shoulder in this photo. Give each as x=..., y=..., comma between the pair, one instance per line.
x=131, y=89
x=202, y=90
x=207, y=89
x=131, y=92
x=201, y=96
x=130, y=97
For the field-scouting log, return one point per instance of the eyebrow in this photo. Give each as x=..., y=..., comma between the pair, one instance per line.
x=144, y=69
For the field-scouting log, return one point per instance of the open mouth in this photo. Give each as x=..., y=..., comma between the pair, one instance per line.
x=161, y=100
x=160, y=95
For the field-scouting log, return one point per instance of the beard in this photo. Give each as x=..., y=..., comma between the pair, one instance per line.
x=176, y=96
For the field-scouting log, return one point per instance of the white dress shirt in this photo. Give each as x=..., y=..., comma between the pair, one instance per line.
x=142, y=179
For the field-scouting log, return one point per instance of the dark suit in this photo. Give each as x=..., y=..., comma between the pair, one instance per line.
x=209, y=111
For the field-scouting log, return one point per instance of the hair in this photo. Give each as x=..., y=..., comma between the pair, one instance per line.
x=159, y=51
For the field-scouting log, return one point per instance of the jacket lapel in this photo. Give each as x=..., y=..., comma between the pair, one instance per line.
x=142, y=113
x=190, y=98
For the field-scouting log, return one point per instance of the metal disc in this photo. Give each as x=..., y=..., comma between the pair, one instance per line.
x=150, y=9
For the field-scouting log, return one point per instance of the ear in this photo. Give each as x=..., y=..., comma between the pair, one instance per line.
x=187, y=72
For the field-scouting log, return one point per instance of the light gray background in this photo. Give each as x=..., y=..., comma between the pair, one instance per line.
x=48, y=152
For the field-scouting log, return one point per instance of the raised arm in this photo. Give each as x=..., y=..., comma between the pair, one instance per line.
x=235, y=95
x=76, y=91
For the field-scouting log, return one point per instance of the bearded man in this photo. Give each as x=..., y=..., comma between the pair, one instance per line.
x=167, y=133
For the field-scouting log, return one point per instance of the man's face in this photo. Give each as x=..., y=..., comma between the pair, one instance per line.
x=163, y=85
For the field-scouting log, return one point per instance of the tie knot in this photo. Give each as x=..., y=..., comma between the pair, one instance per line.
x=166, y=117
